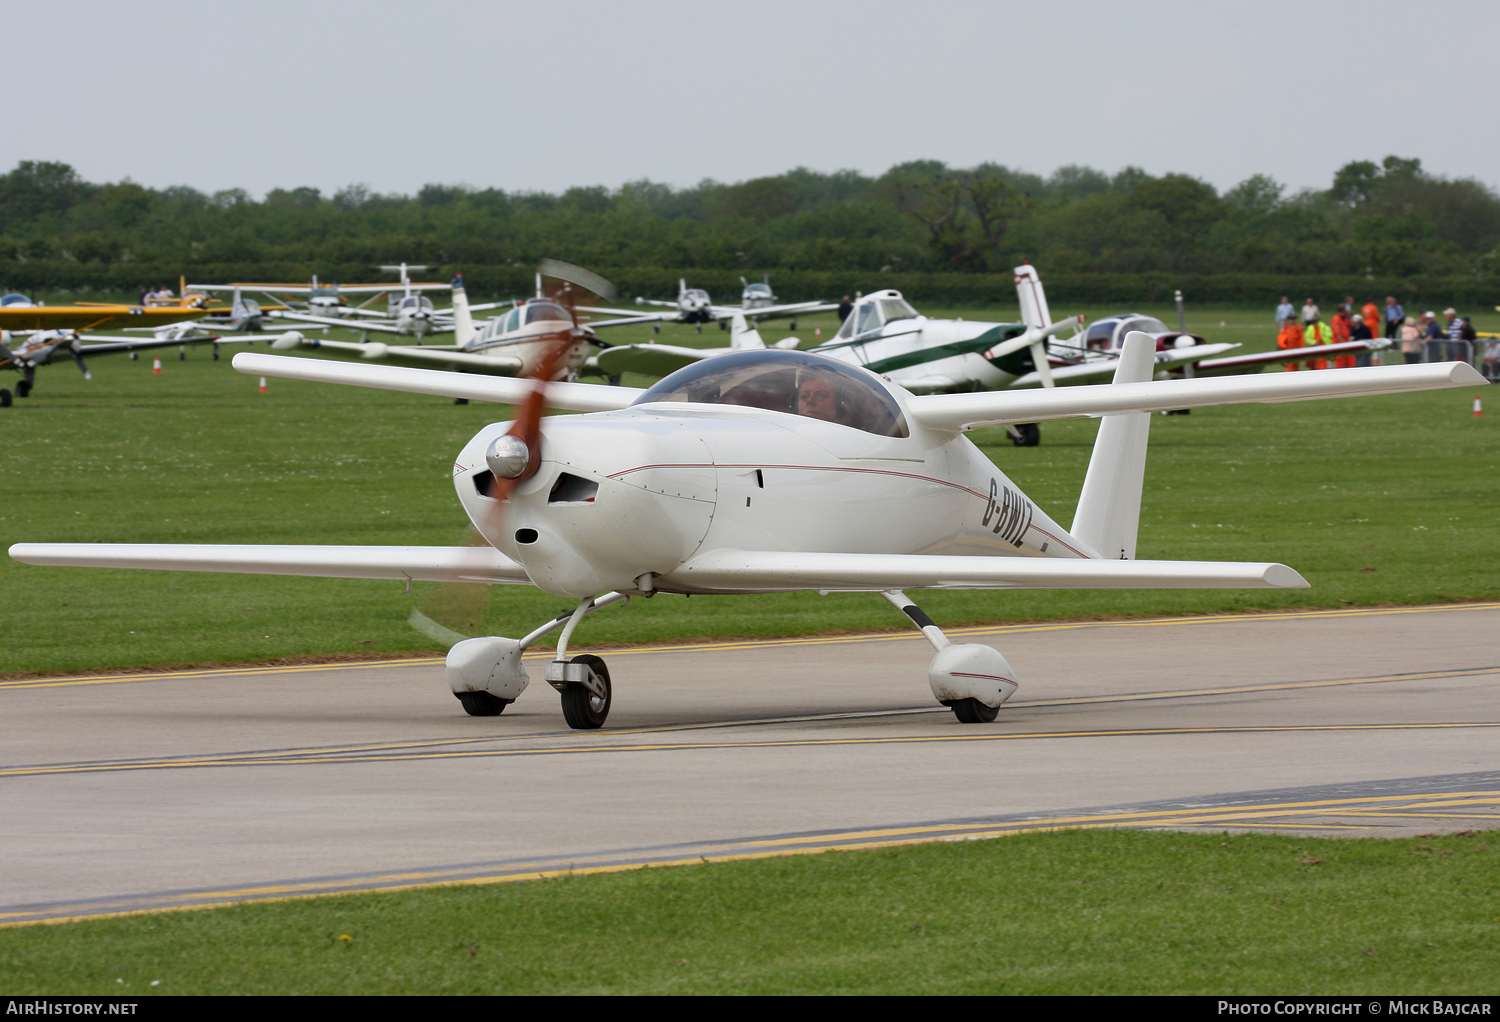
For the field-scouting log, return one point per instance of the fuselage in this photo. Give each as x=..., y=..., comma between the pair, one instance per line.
x=887, y=336
x=38, y=347
x=414, y=316
x=642, y=490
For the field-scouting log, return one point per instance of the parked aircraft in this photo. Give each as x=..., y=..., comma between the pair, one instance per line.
x=694, y=306
x=926, y=356
x=1105, y=337
x=408, y=312
x=767, y=471
x=24, y=347
x=330, y=301
x=514, y=344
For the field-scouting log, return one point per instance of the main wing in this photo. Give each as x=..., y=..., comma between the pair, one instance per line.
x=995, y=408
x=108, y=346
x=443, y=354
x=651, y=359
x=70, y=317
x=1168, y=359
x=1257, y=360
x=575, y=397
x=747, y=571
x=419, y=563
x=770, y=311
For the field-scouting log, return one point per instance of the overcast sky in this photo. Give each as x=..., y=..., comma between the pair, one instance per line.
x=545, y=96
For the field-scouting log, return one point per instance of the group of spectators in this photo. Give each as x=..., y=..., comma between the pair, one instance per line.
x=161, y=296
x=1452, y=339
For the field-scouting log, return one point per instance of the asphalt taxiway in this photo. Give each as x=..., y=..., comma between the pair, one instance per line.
x=140, y=792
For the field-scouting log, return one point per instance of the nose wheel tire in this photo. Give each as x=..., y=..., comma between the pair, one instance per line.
x=482, y=704
x=583, y=709
x=972, y=711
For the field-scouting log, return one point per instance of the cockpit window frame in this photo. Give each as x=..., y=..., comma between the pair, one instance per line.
x=772, y=379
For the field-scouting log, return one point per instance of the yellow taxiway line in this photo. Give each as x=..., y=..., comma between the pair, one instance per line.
x=1284, y=815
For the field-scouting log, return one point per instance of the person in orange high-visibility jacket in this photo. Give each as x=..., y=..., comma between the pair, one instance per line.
x=1343, y=330
x=1317, y=333
x=1371, y=315
x=1291, y=339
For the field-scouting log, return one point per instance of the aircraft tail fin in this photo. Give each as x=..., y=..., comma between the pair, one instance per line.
x=1036, y=315
x=1034, y=311
x=1109, y=509
x=743, y=336
x=463, y=319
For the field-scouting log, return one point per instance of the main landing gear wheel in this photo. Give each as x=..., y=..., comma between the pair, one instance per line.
x=972, y=711
x=482, y=704
x=1030, y=435
x=5, y=399
x=582, y=709
x=23, y=389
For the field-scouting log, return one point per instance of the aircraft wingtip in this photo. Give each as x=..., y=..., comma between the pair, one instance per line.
x=1279, y=576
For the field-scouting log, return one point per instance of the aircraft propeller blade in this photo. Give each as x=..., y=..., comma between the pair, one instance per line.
x=515, y=457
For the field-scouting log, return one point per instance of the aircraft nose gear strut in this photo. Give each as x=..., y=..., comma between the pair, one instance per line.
x=487, y=675
x=970, y=678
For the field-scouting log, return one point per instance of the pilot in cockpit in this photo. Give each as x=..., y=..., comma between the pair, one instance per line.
x=817, y=399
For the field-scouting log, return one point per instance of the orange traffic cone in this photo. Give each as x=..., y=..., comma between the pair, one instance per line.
x=1477, y=411
x=818, y=332
x=262, y=384
x=156, y=365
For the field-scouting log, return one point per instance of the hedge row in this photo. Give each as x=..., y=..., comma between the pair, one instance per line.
x=1072, y=290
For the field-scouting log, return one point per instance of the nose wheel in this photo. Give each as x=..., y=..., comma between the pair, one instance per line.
x=482, y=704
x=585, y=704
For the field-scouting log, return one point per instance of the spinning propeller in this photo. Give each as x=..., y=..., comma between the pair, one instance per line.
x=462, y=607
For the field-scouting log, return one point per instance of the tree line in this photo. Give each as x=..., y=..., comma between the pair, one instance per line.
x=1383, y=220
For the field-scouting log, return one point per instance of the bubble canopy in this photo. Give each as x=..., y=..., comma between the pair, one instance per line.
x=797, y=383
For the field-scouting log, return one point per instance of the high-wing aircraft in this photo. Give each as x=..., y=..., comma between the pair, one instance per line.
x=694, y=306
x=768, y=471
x=514, y=344
x=36, y=335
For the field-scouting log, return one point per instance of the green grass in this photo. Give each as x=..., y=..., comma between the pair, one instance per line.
x=1379, y=500
x=1080, y=912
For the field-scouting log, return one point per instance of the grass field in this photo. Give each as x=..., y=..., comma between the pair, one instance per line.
x=1073, y=912
x=1380, y=500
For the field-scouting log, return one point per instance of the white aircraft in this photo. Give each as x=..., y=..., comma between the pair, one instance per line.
x=768, y=471
x=514, y=344
x=694, y=306
x=886, y=335
x=1104, y=338
x=409, y=312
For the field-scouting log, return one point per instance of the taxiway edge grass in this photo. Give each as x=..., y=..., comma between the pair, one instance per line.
x=1107, y=912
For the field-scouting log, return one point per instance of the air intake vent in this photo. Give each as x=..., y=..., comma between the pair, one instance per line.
x=484, y=483
x=571, y=489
